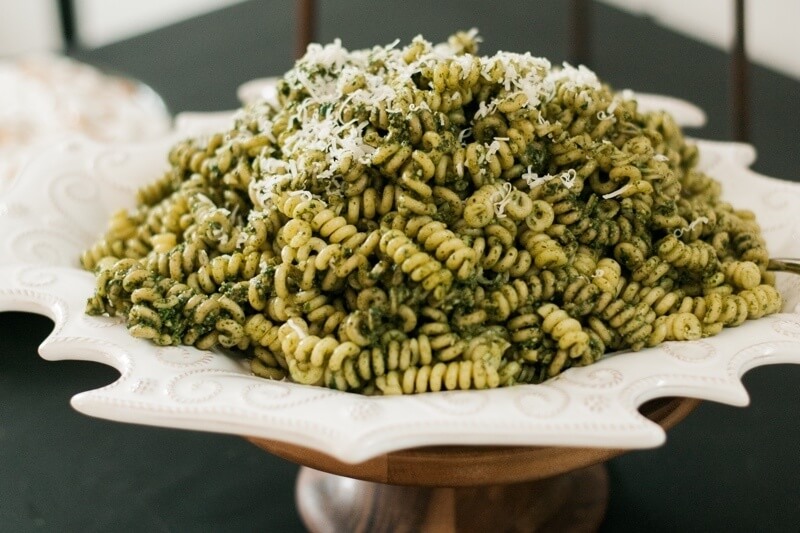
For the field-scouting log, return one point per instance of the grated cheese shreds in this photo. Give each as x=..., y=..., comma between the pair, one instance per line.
x=315, y=132
x=616, y=193
x=492, y=148
x=698, y=220
x=678, y=232
x=533, y=180
x=501, y=199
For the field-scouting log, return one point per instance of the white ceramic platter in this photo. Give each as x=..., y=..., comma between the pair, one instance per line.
x=59, y=203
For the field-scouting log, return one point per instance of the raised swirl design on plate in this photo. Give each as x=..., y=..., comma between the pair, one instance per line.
x=77, y=200
x=764, y=353
x=182, y=356
x=599, y=378
x=788, y=325
x=194, y=387
x=51, y=247
x=144, y=386
x=458, y=403
x=689, y=352
x=106, y=165
x=541, y=401
x=363, y=411
x=596, y=403
x=269, y=395
x=36, y=277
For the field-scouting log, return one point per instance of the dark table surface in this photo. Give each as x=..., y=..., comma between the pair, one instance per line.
x=723, y=468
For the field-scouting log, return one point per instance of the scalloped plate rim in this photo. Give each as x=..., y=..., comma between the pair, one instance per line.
x=441, y=412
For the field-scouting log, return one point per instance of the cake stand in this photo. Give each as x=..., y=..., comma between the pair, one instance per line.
x=461, y=488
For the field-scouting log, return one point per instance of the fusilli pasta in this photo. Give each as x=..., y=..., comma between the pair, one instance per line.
x=421, y=218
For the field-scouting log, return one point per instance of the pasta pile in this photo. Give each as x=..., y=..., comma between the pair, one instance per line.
x=420, y=218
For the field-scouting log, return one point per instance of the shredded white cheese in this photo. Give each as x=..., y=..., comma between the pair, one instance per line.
x=492, y=148
x=617, y=192
x=568, y=178
x=297, y=328
x=501, y=198
x=338, y=82
x=534, y=180
x=678, y=232
x=305, y=194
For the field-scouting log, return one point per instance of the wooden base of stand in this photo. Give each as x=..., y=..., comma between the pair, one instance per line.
x=575, y=501
x=462, y=488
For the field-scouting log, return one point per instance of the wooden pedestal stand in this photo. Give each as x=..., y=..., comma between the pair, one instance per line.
x=460, y=488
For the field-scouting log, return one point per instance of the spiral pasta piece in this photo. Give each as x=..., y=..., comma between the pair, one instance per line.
x=441, y=376
x=676, y=327
x=420, y=267
x=444, y=245
x=694, y=256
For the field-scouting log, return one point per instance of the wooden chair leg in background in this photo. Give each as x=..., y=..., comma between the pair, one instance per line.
x=580, y=31
x=69, y=33
x=740, y=88
x=306, y=25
